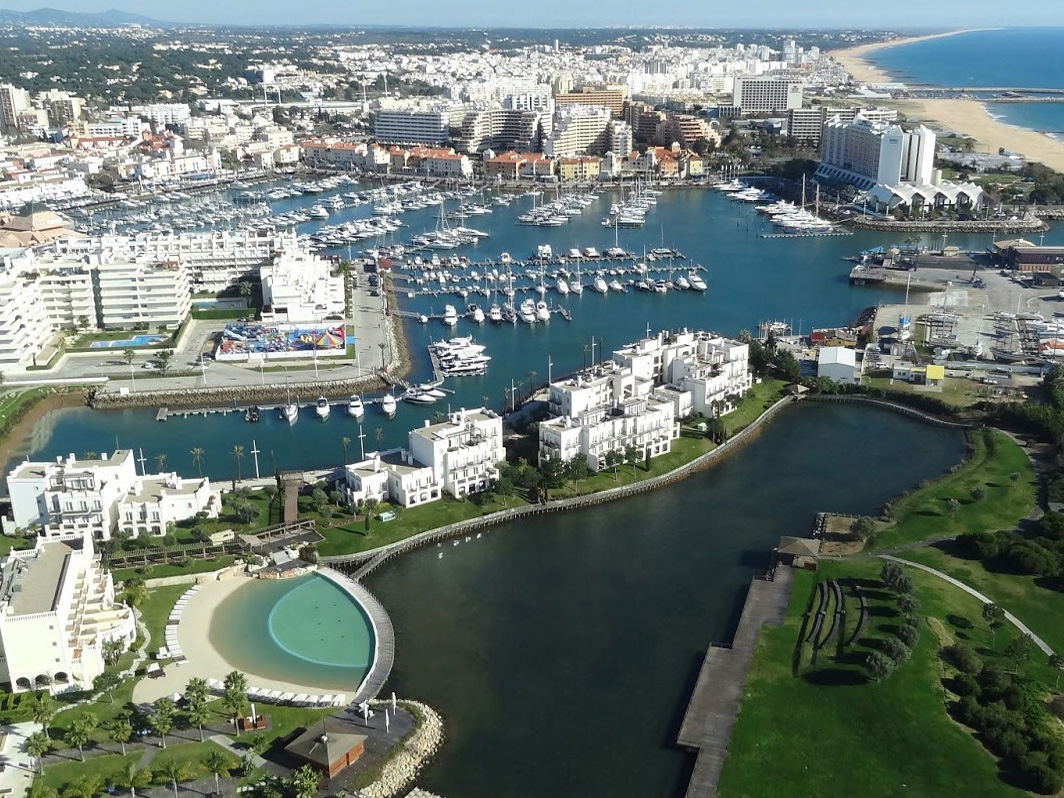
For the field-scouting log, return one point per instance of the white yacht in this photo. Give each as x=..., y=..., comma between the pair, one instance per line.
x=527, y=312
x=321, y=408
x=696, y=281
x=450, y=316
x=475, y=313
x=495, y=314
x=542, y=311
x=562, y=286
x=599, y=284
x=682, y=283
x=355, y=406
x=388, y=405
x=615, y=285
x=318, y=212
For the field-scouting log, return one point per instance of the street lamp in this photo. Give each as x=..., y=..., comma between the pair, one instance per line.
x=133, y=376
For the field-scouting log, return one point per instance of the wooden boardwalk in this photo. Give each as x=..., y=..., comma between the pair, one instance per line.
x=383, y=632
x=718, y=692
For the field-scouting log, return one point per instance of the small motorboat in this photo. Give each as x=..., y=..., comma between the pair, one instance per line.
x=252, y=414
x=355, y=407
x=322, y=408
x=388, y=405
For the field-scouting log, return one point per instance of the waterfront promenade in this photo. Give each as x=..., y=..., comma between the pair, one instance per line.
x=718, y=693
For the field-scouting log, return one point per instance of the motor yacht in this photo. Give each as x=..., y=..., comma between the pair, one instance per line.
x=322, y=408
x=355, y=406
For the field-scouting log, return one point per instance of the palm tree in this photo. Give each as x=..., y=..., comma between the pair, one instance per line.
x=90, y=455
x=198, y=714
x=245, y=291
x=175, y=771
x=163, y=719
x=197, y=690
x=42, y=712
x=165, y=358
x=220, y=765
x=131, y=777
x=86, y=787
x=378, y=436
x=38, y=789
x=305, y=782
x=80, y=732
x=197, y=458
x=121, y=731
x=160, y=461
x=238, y=453
x=345, y=442
x=136, y=593
x=586, y=348
x=37, y=745
x=128, y=355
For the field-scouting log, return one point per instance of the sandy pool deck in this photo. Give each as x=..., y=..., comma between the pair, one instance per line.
x=206, y=662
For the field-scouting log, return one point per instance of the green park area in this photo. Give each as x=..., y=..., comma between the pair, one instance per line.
x=885, y=701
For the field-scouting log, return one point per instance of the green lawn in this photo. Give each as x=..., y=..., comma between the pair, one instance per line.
x=104, y=767
x=829, y=731
x=1040, y=608
x=761, y=397
x=957, y=391
x=156, y=610
x=190, y=756
x=158, y=571
x=924, y=514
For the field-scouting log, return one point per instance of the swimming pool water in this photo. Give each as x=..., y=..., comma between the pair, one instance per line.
x=305, y=630
x=136, y=340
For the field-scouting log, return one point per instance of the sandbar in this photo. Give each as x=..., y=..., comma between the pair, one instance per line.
x=205, y=661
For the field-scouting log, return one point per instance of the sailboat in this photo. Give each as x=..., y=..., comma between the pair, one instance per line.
x=575, y=285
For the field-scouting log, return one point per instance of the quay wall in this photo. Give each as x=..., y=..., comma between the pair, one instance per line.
x=231, y=395
x=1027, y=224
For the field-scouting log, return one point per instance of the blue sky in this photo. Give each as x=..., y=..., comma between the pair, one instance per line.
x=564, y=13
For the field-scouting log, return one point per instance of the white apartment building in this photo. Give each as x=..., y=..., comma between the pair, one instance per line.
x=503, y=129
x=142, y=292
x=101, y=496
x=346, y=155
x=69, y=296
x=57, y=611
x=300, y=287
x=214, y=261
x=464, y=451
x=605, y=409
x=579, y=130
x=409, y=126
x=13, y=101
x=766, y=95
x=632, y=399
x=128, y=127
x=621, y=141
x=24, y=325
x=458, y=456
x=176, y=114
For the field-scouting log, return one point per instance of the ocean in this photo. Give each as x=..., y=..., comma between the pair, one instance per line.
x=1018, y=57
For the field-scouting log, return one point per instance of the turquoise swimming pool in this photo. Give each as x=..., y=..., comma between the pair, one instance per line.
x=305, y=630
x=136, y=340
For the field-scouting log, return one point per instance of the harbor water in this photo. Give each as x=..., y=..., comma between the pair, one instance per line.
x=801, y=280
x=562, y=650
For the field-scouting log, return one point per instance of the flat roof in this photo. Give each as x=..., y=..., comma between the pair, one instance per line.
x=31, y=584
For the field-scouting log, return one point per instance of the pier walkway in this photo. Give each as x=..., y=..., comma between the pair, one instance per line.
x=383, y=635
x=718, y=693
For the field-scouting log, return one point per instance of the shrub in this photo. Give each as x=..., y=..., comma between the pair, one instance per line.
x=908, y=604
x=909, y=635
x=1008, y=743
x=959, y=621
x=1042, y=778
x=965, y=685
x=879, y=665
x=963, y=658
x=896, y=650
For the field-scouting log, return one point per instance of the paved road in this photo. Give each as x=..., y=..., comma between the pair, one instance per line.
x=973, y=592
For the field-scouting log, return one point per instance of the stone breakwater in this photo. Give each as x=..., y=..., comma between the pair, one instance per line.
x=233, y=395
x=422, y=744
x=1026, y=224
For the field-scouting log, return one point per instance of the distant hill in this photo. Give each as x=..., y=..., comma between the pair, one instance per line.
x=77, y=19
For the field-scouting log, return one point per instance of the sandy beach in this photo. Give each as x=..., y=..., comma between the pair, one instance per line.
x=204, y=660
x=964, y=117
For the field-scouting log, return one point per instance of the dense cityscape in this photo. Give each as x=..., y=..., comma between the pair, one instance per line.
x=371, y=398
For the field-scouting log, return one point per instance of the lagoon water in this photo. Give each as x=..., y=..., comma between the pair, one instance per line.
x=1019, y=57
x=304, y=630
x=750, y=278
x=562, y=650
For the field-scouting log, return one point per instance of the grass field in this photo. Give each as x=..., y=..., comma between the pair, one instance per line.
x=925, y=515
x=957, y=391
x=1040, y=608
x=830, y=731
x=103, y=767
x=159, y=571
x=760, y=398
